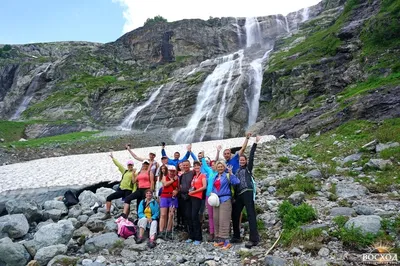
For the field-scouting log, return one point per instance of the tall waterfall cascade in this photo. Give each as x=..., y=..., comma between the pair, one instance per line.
x=29, y=94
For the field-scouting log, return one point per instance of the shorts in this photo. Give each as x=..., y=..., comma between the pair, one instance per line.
x=169, y=202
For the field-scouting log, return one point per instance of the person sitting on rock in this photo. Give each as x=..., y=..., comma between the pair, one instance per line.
x=233, y=161
x=168, y=201
x=222, y=213
x=245, y=197
x=149, y=212
x=145, y=181
x=176, y=159
x=126, y=185
x=152, y=155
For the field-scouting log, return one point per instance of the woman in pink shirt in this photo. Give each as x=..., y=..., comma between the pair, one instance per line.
x=144, y=180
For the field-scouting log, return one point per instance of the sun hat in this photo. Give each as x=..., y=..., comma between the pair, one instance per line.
x=171, y=168
x=213, y=200
x=129, y=162
x=146, y=162
x=152, y=152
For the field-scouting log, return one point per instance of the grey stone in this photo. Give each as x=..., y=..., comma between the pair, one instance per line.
x=41, y=224
x=370, y=145
x=271, y=190
x=83, y=231
x=75, y=222
x=104, y=241
x=14, y=225
x=55, y=204
x=304, y=136
x=315, y=173
x=83, y=218
x=383, y=146
x=53, y=214
x=12, y=254
x=320, y=262
x=75, y=211
x=297, y=197
x=367, y=223
x=324, y=252
x=274, y=261
x=110, y=226
x=313, y=226
x=347, y=191
x=130, y=254
x=44, y=255
x=54, y=234
x=87, y=199
x=131, y=244
x=95, y=224
x=378, y=164
x=295, y=251
x=352, y=158
x=103, y=192
x=62, y=260
x=364, y=210
x=29, y=208
x=86, y=262
x=346, y=211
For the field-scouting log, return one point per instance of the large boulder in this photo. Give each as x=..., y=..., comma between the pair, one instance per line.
x=14, y=225
x=103, y=192
x=104, y=241
x=383, y=146
x=87, y=199
x=54, y=234
x=346, y=191
x=297, y=197
x=29, y=208
x=274, y=261
x=12, y=254
x=55, y=205
x=44, y=255
x=53, y=214
x=62, y=260
x=367, y=223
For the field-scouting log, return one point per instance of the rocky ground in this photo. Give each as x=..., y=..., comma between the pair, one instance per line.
x=347, y=217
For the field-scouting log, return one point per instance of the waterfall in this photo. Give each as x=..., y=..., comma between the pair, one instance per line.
x=30, y=92
x=239, y=33
x=252, y=95
x=208, y=98
x=287, y=24
x=306, y=14
x=128, y=121
x=253, y=31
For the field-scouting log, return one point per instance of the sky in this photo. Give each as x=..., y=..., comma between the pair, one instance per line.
x=32, y=21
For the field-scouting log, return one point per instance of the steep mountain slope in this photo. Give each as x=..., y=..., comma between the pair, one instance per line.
x=197, y=80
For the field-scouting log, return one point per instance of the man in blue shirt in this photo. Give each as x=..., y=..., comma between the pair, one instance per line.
x=233, y=161
x=176, y=159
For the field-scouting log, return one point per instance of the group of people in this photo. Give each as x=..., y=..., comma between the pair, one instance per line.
x=175, y=188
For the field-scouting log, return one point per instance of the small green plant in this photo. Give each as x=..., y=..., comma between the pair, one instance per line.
x=344, y=203
x=287, y=186
x=156, y=19
x=294, y=216
x=283, y=159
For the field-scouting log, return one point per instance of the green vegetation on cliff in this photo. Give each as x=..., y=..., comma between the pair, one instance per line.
x=11, y=131
x=156, y=19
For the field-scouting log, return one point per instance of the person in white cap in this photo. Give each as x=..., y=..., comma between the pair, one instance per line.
x=126, y=185
x=152, y=155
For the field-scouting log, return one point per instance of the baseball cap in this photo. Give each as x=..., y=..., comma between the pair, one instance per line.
x=171, y=168
x=146, y=162
x=152, y=153
x=129, y=162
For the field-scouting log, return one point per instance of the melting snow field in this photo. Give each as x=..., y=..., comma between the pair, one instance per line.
x=87, y=169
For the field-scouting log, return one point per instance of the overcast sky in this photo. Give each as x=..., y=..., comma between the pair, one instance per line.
x=29, y=21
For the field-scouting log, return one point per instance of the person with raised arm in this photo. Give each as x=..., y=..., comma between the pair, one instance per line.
x=126, y=185
x=222, y=206
x=234, y=160
x=145, y=181
x=176, y=159
x=246, y=192
x=152, y=155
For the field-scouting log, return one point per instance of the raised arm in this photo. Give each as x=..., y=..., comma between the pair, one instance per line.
x=194, y=157
x=151, y=180
x=187, y=155
x=246, y=141
x=140, y=159
x=121, y=168
x=219, y=148
x=250, y=163
x=205, y=168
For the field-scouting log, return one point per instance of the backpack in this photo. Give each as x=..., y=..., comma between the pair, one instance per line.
x=70, y=198
x=126, y=228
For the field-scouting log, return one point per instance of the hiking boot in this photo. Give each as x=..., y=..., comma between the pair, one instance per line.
x=106, y=216
x=151, y=244
x=161, y=235
x=235, y=240
x=139, y=240
x=251, y=244
x=226, y=245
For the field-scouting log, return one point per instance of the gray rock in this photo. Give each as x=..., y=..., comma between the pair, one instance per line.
x=364, y=210
x=75, y=222
x=131, y=244
x=41, y=224
x=304, y=136
x=315, y=173
x=346, y=191
x=87, y=199
x=383, y=146
x=75, y=211
x=86, y=262
x=370, y=145
x=378, y=164
x=297, y=197
x=55, y=204
x=320, y=262
x=54, y=234
x=295, y=251
x=28, y=208
x=62, y=260
x=95, y=225
x=346, y=211
x=130, y=254
x=12, y=254
x=314, y=226
x=44, y=255
x=103, y=192
x=83, y=231
x=53, y=214
x=324, y=252
x=14, y=225
x=274, y=261
x=367, y=223
x=83, y=218
x=271, y=190
x=110, y=226
x=104, y=241
x=352, y=158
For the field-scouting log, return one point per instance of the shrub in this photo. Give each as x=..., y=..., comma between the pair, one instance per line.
x=300, y=183
x=156, y=19
x=292, y=216
x=283, y=159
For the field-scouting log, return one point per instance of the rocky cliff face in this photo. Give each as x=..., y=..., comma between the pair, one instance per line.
x=202, y=79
